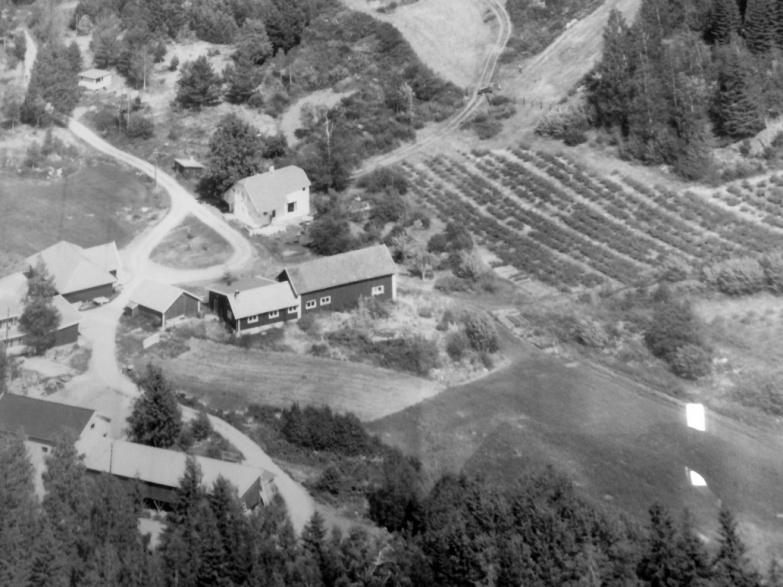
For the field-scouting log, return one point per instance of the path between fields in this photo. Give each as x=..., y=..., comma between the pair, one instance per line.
x=442, y=131
x=99, y=326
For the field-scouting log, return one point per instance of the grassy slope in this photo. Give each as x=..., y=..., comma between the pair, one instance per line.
x=228, y=377
x=617, y=442
x=89, y=207
x=191, y=245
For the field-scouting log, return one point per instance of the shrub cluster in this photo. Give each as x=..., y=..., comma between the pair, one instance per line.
x=322, y=429
x=674, y=336
x=746, y=275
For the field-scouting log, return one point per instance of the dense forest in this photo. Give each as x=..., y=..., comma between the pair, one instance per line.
x=688, y=76
x=463, y=532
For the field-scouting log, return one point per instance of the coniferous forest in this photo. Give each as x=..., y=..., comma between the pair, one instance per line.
x=688, y=76
x=462, y=532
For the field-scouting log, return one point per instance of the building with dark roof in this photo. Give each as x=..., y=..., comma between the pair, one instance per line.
x=43, y=421
x=279, y=196
x=339, y=281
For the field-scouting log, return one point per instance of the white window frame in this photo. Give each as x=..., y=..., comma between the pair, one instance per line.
x=310, y=304
x=252, y=319
x=293, y=309
x=378, y=290
x=325, y=301
x=274, y=314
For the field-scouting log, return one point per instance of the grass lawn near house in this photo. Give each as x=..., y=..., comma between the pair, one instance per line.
x=99, y=203
x=192, y=245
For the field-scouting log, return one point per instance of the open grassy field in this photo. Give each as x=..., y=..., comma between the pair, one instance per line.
x=618, y=441
x=228, y=377
x=192, y=245
x=96, y=204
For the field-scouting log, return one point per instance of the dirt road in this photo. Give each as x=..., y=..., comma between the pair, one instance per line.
x=104, y=379
x=441, y=132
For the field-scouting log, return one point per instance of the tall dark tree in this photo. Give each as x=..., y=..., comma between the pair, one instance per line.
x=731, y=567
x=235, y=153
x=18, y=510
x=39, y=321
x=242, y=80
x=725, y=21
x=198, y=85
x=156, y=419
x=53, y=86
x=659, y=566
x=760, y=24
x=737, y=112
x=694, y=560
x=252, y=44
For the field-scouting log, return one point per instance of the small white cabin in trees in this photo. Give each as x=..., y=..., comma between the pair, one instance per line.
x=279, y=196
x=95, y=79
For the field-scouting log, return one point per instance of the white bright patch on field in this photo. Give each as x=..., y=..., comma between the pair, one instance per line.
x=696, y=417
x=695, y=479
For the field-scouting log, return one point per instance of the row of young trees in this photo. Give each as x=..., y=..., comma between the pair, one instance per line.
x=684, y=73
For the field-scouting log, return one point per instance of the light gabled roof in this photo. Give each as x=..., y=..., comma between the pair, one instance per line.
x=104, y=256
x=189, y=163
x=239, y=285
x=68, y=314
x=342, y=269
x=71, y=269
x=267, y=297
x=41, y=420
x=162, y=466
x=267, y=190
x=158, y=296
x=94, y=73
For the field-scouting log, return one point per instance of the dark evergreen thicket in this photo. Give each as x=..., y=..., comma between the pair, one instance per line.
x=686, y=75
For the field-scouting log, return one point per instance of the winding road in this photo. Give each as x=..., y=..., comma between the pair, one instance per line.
x=441, y=131
x=99, y=326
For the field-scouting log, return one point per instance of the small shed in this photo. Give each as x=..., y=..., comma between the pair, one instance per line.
x=188, y=167
x=164, y=302
x=95, y=79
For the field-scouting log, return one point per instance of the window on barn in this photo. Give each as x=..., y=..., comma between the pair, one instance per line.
x=377, y=290
x=292, y=206
x=252, y=319
x=274, y=314
x=293, y=309
x=326, y=300
x=310, y=305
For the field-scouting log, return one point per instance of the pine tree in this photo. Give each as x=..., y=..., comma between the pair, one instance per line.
x=51, y=566
x=242, y=81
x=658, y=566
x=18, y=510
x=252, y=44
x=731, y=567
x=724, y=21
x=234, y=529
x=737, y=111
x=694, y=560
x=67, y=505
x=759, y=25
x=156, y=419
x=198, y=85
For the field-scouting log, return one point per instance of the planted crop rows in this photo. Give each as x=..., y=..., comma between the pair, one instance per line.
x=551, y=218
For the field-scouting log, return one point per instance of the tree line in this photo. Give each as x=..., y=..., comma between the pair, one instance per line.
x=688, y=75
x=465, y=531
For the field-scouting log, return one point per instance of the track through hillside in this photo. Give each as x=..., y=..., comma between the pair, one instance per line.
x=442, y=131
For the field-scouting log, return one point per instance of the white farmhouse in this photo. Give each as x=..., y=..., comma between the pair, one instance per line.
x=95, y=79
x=279, y=196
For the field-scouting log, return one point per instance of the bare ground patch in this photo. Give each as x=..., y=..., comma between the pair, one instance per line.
x=228, y=377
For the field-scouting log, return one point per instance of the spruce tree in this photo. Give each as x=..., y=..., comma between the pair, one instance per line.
x=18, y=510
x=694, y=560
x=731, y=567
x=658, y=566
x=737, y=113
x=156, y=419
x=724, y=21
x=198, y=85
x=759, y=26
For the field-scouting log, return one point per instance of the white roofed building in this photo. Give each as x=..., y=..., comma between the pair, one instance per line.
x=163, y=302
x=279, y=196
x=250, y=305
x=95, y=79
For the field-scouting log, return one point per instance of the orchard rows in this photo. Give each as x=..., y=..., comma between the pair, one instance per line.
x=551, y=218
